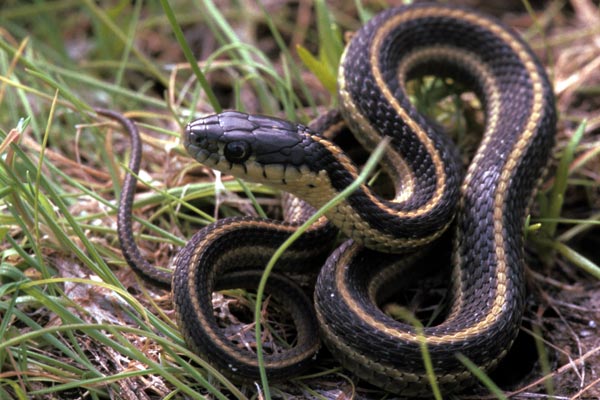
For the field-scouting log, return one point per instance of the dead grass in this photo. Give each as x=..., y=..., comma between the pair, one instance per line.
x=105, y=350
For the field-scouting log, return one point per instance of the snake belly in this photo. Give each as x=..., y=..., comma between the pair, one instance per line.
x=488, y=208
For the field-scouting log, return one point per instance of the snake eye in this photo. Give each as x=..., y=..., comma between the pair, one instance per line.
x=196, y=140
x=237, y=152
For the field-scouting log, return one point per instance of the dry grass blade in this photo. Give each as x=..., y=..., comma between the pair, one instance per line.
x=75, y=322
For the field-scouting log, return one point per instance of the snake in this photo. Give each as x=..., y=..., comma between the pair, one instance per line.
x=484, y=208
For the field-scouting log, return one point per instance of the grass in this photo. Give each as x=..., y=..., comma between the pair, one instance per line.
x=75, y=322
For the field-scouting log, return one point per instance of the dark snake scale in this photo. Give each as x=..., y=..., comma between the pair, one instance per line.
x=485, y=208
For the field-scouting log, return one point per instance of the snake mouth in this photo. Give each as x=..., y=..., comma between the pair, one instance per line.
x=201, y=140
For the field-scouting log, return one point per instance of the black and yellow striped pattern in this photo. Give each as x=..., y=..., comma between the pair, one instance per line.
x=486, y=211
x=488, y=283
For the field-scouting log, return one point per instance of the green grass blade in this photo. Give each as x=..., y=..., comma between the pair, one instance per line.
x=482, y=376
x=577, y=259
x=369, y=167
x=560, y=184
x=189, y=56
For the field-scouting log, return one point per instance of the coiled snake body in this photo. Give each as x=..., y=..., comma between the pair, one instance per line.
x=489, y=206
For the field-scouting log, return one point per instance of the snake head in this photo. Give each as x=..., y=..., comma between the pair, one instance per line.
x=257, y=148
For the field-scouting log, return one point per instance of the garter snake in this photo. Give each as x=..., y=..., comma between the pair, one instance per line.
x=485, y=209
